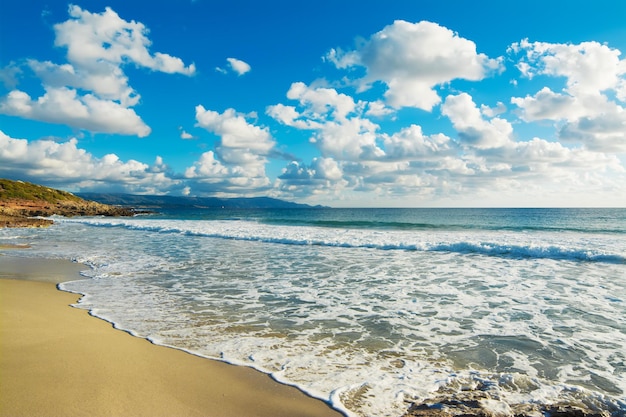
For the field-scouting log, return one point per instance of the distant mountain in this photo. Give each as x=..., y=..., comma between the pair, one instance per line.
x=156, y=201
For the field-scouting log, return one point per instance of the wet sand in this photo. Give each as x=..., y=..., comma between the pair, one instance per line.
x=56, y=360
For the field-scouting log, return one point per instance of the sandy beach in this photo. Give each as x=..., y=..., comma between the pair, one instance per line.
x=56, y=360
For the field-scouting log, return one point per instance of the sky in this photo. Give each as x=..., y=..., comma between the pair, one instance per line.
x=343, y=103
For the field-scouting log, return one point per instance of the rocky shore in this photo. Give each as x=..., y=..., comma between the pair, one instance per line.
x=453, y=408
x=478, y=402
x=24, y=204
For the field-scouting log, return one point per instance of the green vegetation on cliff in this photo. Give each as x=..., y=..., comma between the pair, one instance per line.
x=27, y=191
x=21, y=201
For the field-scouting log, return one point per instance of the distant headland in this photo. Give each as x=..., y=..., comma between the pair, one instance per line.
x=154, y=202
x=24, y=204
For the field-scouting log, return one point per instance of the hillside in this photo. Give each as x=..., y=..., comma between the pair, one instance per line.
x=21, y=201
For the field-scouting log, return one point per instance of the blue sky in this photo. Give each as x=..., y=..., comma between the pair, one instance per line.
x=342, y=103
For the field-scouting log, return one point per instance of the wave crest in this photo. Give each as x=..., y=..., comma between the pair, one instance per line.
x=509, y=244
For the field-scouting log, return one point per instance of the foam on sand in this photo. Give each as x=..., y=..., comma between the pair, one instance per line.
x=56, y=360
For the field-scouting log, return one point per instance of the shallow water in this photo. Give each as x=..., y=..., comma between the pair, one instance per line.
x=372, y=309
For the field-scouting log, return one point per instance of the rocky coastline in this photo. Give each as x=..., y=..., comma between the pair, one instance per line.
x=28, y=205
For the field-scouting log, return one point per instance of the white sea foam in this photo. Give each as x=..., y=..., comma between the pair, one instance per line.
x=516, y=318
x=536, y=245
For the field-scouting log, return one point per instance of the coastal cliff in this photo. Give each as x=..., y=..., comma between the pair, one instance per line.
x=22, y=204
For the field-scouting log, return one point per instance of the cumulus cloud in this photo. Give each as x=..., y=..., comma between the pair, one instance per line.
x=340, y=131
x=66, y=165
x=322, y=176
x=207, y=167
x=66, y=106
x=9, y=74
x=548, y=171
x=361, y=157
x=361, y=147
x=589, y=107
x=319, y=105
x=378, y=109
x=493, y=111
x=472, y=128
x=98, y=46
x=239, y=66
x=482, y=157
x=548, y=105
x=239, y=159
x=603, y=133
x=353, y=139
x=91, y=38
x=410, y=143
x=412, y=59
x=589, y=67
x=184, y=134
x=105, y=81
x=320, y=169
x=322, y=101
x=235, y=131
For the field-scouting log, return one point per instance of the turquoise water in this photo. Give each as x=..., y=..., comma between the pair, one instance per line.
x=371, y=309
x=578, y=220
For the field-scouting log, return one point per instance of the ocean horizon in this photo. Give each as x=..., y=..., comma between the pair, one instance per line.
x=372, y=310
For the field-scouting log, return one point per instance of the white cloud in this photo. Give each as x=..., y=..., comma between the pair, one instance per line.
x=589, y=67
x=66, y=106
x=320, y=169
x=378, y=109
x=239, y=66
x=548, y=173
x=603, y=133
x=184, y=134
x=588, y=107
x=288, y=115
x=322, y=177
x=9, y=75
x=106, y=81
x=235, y=131
x=411, y=143
x=493, y=111
x=484, y=157
x=326, y=168
x=65, y=164
x=339, y=130
x=472, y=128
x=362, y=158
x=91, y=38
x=210, y=176
x=353, y=139
x=207, y=167
x=548, y=105
x=98, y=46
x=545, y=161
x=322, y=101
x=238, y=162
x=412, y=59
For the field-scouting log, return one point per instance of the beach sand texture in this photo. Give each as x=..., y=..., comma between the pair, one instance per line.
x=56, y=360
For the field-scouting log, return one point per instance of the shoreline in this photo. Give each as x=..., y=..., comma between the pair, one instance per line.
x=59, y=360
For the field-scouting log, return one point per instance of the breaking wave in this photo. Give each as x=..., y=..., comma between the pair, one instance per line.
x=506, y=244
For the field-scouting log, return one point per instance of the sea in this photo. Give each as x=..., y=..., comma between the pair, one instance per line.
x=373, y=311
